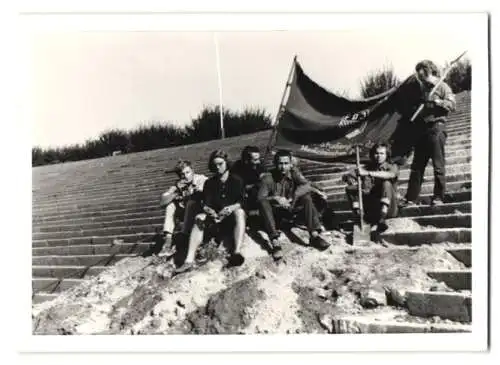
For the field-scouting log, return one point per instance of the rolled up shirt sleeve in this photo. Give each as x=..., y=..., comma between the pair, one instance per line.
x=449, y=102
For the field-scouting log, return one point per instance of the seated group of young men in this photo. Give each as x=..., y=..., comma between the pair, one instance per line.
x=219, y=205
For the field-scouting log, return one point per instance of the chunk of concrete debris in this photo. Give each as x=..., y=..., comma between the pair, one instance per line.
x=397, y=296
x=373, y=297
x=441, y=286
x=326, y=321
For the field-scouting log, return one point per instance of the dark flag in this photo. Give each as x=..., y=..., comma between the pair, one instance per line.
x=319, y=125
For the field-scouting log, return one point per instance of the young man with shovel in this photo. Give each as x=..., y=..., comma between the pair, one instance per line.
x=378, y=181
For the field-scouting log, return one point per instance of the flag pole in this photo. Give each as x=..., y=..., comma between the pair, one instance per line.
x=219, y=79
x=360, y=192
x=280, y=108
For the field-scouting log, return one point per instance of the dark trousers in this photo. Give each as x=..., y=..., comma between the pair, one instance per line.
x=251, y=201
x=381, y=192
x=271, y=213
x=430, y=145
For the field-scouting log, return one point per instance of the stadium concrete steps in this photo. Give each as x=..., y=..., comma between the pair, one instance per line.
x=133, y=204
x=149, y=177
x=113, y=174
x=323, y=177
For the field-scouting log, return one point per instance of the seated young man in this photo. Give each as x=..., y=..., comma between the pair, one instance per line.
x=222, y=211
x=284, y=192
x=249, y=168
x=183, y=200
x=379, y=179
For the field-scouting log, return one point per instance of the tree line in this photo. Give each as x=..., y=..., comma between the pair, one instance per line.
x=205, y=127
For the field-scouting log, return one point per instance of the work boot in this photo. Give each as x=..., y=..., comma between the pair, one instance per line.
x=436, y=202
x=236, y=259
x=407, y=203
x=319, y=242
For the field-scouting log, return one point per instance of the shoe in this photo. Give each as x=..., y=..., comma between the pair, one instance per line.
x=276, y=250
x=407, y=203
x=185, y=267
x=436, y=202
x=382, y=226
x=319, y=242
x=236, y=259
x=167, y=249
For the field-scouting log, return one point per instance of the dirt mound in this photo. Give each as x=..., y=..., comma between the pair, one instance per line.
x=140, y=296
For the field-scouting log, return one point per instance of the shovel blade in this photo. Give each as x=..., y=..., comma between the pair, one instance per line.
x=361, y=235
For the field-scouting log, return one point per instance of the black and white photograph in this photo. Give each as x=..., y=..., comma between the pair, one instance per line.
x=260, y=179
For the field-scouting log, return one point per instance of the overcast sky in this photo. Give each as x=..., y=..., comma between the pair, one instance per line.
x=85, y=82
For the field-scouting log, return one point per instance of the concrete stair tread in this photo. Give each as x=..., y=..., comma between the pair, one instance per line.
x=43, y=297
x=66, y=271
x=53, y=285
x=451, y=305
x=455, y=279
x=84, y=260
x=93, y=249
x=66, y=266
x=394, y=321
x=428, y=236
x=462, y=254
x=89, y=239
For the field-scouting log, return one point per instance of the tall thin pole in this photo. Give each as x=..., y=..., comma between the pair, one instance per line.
x=219, y=78
x=360, y=192
x=280, y=108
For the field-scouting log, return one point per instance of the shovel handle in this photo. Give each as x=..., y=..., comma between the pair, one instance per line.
x=360, y=192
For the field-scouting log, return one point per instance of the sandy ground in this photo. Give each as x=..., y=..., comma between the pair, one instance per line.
x=140, y=296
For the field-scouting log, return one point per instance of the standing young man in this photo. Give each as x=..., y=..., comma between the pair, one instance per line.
x=223, y=213
x=182, y=200
x=283, y=192
x=430, y=129
x=379, y=179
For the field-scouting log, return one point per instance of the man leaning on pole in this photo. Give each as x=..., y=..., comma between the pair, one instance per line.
x=430, y=128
